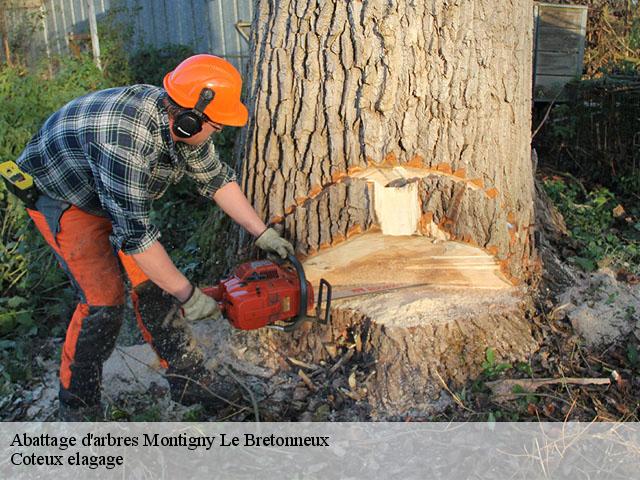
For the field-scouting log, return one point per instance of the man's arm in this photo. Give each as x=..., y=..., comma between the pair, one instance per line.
x=234, y=203
x=160, y=269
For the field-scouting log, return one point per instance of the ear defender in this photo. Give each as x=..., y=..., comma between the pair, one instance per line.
x=189, y=122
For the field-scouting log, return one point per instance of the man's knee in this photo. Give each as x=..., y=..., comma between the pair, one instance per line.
x=91, y=338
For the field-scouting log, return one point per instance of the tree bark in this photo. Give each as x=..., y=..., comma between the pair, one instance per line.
x=366, y=111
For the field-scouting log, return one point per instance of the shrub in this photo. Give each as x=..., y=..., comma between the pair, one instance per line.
x=150, y=64
x=590, y=216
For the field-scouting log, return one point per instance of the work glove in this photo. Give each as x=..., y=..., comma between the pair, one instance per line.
x=200, y=306
x=271, y=241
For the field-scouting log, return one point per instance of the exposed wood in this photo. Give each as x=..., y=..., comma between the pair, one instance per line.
x=375, y=259
x=307, y=381
x=502, y=390
x=93, y=29
x=302, y=364
x=405, y=356
x=4, y=31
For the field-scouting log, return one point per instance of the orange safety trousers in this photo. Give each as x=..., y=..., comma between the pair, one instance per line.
x=81, y=243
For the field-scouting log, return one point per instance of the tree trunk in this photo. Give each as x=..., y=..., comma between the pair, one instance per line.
x=390, y=141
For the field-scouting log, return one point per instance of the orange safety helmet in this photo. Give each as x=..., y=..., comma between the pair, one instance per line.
x=186, y=82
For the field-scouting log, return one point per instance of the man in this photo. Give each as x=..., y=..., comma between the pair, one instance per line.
x=97, y=164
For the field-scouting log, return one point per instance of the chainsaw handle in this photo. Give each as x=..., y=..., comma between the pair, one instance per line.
x=304, y=298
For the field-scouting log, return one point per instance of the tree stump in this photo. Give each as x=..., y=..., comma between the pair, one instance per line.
x=419, y=313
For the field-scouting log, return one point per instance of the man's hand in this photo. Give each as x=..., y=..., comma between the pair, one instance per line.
x=200, y=306
x=271, y=241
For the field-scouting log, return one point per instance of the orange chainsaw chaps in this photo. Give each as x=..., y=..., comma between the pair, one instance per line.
x=83, y=245
x=134, y=272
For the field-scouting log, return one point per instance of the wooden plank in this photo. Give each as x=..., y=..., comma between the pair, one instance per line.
x=559, y=40
x=560, y=16
x=558, y=63
x=559, y=47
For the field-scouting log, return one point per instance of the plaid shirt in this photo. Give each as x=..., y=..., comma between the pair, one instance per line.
x=110, y=153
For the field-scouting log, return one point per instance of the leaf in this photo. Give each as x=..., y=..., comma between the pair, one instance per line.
x=491, y=356
x=502, y=367
x=322, y=413
x=15, y=302
x=25, y=318
x=600, y=200
x=524, y=368
x=352, y=381
x=7, y=324
x=618, y=211
x=585, y=264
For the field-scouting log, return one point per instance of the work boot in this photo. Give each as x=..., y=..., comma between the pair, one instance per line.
x=197, y=385
x=89, y=413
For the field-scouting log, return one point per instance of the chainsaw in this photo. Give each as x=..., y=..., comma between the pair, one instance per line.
x=268, y=294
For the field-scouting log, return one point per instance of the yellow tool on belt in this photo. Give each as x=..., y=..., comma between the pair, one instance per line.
x=12, y=173
x=19, y=183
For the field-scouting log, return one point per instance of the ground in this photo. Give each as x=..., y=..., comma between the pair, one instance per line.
x=592, y=331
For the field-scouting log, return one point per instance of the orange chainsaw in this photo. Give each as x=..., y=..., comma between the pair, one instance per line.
x=269, y=294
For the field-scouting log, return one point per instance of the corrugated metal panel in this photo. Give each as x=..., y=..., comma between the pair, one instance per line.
x=205, y=25
x=63, y=17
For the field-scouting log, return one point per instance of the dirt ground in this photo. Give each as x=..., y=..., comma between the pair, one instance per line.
x=591, y=332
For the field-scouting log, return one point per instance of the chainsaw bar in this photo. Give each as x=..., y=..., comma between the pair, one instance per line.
x=371, y=289
x=344, y=293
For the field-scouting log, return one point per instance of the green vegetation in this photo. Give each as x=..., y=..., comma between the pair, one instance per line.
x=491, y=367
x=604, y=239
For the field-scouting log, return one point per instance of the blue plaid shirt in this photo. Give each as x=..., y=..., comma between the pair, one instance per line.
x=110, y=153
